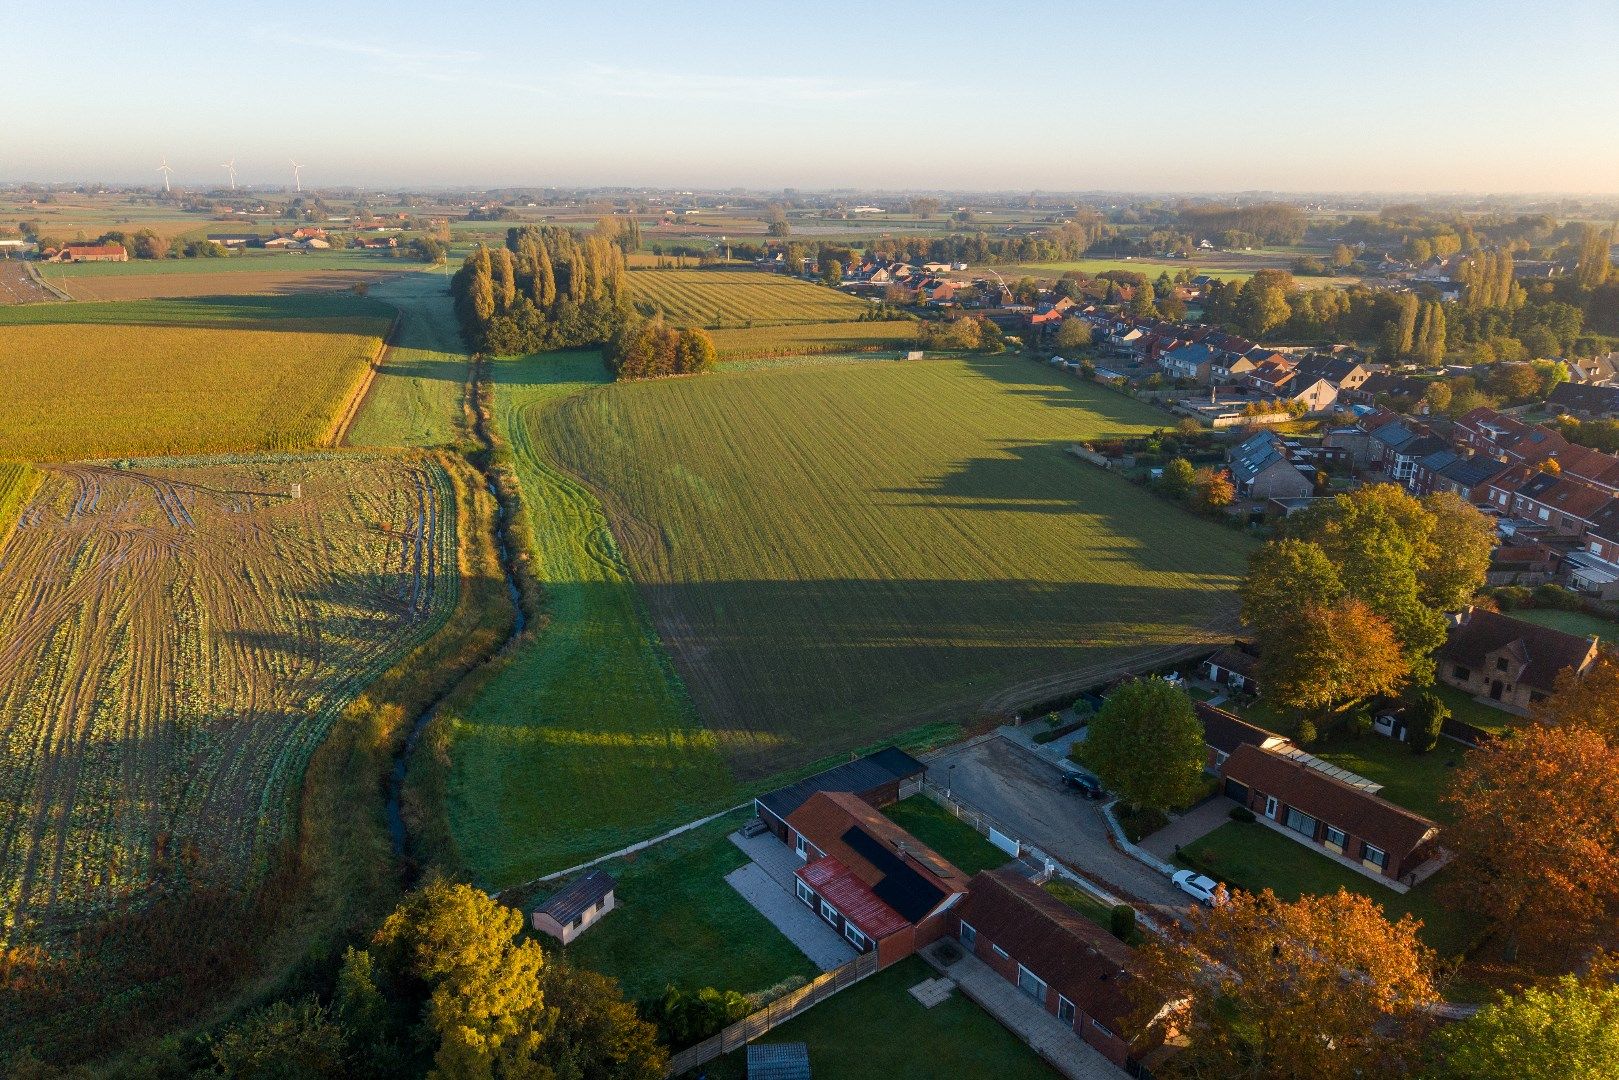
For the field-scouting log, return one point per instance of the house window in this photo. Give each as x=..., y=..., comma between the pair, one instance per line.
x=829, y=913
x=1065, y=1010
x=969, y=936
x=1376, y=858
x=1270, y=807
x=1461, y=673
x=1335, y=840
x=1000, y=952
x=856, y=938
x=1031, y=984
x=1303, y=824
x=798, y=846
x=805, y=893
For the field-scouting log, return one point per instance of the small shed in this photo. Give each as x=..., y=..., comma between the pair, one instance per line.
x=571, y=911
x=778, y=1061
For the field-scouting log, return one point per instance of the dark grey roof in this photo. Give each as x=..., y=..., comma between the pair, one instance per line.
x=858, y=776
x=778, y=1061
x=1473, y=471
x=902, y=887
x=1226, y=731
x=1591, y=399
x=568, y=904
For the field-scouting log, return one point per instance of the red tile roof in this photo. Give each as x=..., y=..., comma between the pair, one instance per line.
x=910, y=876
x=852, y=897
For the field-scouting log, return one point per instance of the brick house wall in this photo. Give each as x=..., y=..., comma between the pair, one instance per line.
x=1353, y=847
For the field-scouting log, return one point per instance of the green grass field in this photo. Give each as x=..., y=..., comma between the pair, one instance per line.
x=1414, y=781
x=1252, y=856
x=415, y=399
x=804, y=339
x=180, y=377
x=731, y=297
x=876, y=1031
x=678, y=922
x=835, y=552
x=943, y=832
x=585, y=741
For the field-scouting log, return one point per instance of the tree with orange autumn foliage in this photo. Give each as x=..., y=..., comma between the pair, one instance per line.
x=1322, y=988
x=1536, y=836
x=1334, y=653
x=1591, y=701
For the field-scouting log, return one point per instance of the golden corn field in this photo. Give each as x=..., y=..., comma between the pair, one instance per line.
x=175, y=641
x=78, y=391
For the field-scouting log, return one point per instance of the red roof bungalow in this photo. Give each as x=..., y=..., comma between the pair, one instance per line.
x=1070, y=966
x=1381, y=839
x=873, y=882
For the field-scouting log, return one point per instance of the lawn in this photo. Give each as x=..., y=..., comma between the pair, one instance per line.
x=1253, y=856
x=1414, y=781
x=1570, y=622
x=1464, y=708
x=721, y=298
x=585, y=740
x=876, y=1031
x=180, y=377
x=677, y=921
x=945, y=833
x=1086, y=904
x=835, y=552
x=415, y=399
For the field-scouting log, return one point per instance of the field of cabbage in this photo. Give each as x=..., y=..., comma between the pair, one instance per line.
x=176, y=638
x=719, y=298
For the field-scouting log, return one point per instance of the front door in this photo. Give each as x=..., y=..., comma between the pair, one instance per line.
x=1495, y=690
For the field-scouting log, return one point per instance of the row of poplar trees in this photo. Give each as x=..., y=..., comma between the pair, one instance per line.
x=546, y=289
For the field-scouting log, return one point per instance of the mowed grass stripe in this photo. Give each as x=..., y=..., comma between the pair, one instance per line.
x=833, y=553
x=696, y=297
x=586, y=741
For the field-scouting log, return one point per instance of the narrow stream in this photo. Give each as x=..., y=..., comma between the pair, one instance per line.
x=398, y=834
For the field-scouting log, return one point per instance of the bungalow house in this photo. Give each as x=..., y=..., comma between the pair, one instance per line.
x=1069, y=966
x=1261, y=468
x=1236, y=665
x=1192, y=362
x=880, y=778
x=92, y=253
x=1314, y=808
x=1586, y=401
x=574, y=909
x=1512, y=663
x=1223, y=732
x=870, y=880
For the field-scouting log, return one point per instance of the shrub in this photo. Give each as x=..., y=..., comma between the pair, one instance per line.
x=1242, y=814
x=1306, y=732
x=1555, y=596
x=1359, y=724
x=1122, y=923
x=1513, y=596
x=1425, y=718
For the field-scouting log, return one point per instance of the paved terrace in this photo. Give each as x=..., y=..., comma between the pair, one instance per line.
x=767, y=884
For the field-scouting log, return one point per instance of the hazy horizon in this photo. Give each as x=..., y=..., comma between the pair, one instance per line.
x=1448, y=98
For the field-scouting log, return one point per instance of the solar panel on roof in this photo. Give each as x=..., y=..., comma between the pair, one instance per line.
x=902, y=888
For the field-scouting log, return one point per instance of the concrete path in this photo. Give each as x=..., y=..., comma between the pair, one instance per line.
x=772, y=856
x=1190, y=827
x=823, y=945
x=1052, y=1039
x=1024, y=792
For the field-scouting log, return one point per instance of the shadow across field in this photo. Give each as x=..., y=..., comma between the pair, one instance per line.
x=314, y=311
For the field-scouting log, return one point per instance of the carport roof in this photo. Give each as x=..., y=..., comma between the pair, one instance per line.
x=857, y=776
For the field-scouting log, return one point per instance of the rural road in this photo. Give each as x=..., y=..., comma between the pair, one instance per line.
x=1023, y=793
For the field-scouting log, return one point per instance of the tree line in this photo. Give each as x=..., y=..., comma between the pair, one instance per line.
x=651, y=349
x=545, y=289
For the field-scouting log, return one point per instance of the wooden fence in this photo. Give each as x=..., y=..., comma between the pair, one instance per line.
x=778, y=1012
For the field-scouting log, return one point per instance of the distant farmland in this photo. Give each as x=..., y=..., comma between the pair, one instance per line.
x=175, y=641
x=702, y=297
x=103, y=380
x=232, y=283
x=835, y=553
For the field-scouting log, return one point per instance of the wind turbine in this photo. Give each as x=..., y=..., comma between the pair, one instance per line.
x=165, y=170
x=297, y=182
x=230, y=167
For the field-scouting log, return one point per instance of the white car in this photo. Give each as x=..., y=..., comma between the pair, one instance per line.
x=1200, y=888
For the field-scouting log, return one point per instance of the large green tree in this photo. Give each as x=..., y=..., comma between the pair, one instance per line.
x=1146, y=744
x=1566, y=1031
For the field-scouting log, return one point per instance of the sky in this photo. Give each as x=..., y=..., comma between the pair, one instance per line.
x=1211, y=95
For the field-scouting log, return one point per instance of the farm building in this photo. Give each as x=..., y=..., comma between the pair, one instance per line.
x=92, y=253
x=873, y=882
x=1070, y=966
x=880, y=778
x=236, y=239
x=573, y=910
x=1511, y=663
x=1356, y=827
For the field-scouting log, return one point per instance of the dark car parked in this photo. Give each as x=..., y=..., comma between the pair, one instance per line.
x=1086, y=785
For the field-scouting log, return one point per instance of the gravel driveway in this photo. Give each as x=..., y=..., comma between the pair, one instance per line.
x=1024, y=794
